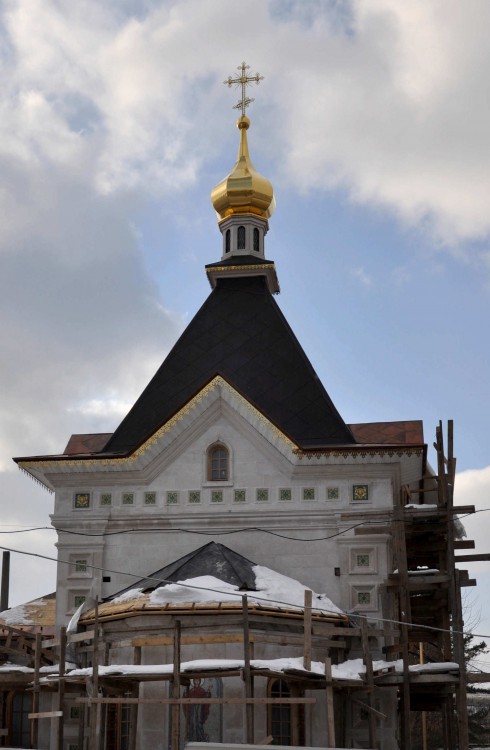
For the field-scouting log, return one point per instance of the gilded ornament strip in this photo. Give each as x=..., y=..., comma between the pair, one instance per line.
x=217, y=382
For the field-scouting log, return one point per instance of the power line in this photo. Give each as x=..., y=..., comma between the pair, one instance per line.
x=191, y=531
x=239, y=594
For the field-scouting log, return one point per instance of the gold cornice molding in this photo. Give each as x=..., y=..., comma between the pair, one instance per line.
x=47, y=466
x=261, y=267
x=361, y=451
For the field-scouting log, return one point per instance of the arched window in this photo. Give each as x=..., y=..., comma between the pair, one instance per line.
x=218, y=463
x=227, y=241
x=241, y=238
x=256, y=240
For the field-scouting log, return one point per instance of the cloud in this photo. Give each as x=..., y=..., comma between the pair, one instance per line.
x=472, y=487
x=109, y=107
x=385, y=100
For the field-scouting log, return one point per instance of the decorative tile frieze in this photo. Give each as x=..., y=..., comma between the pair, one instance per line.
x=106, y=499
x=216, y=496
x=240, y=496
x=360, y=493
x=285, y=494
x=333, y=493
x=81, y=500
x=194, y=497
x=172, y=497
x=262, y=495
x=150, y=498
x=308, y=493
x=128, y=498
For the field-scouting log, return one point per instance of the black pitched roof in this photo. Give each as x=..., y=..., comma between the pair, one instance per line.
x=213, y=559
x=241, y=334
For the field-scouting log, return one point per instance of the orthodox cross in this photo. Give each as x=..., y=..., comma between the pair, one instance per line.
x=242, y=81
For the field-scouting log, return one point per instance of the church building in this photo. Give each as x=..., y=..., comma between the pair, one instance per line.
x=234, y=475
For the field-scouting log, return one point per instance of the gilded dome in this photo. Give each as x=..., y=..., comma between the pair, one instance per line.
x=244, y=190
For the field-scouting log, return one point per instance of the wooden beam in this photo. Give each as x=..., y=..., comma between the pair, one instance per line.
x=473, y=558
x=198, y=701
x=307, y=630
x=368, y=662
x=61, y=685
x=94, y=713
x=330, y=708
x=176, y=689
x=464, y=544
x=45, y=715
x=35, y=690
x=247, y=675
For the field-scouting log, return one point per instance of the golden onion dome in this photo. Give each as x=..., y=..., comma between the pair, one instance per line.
x=244, y=190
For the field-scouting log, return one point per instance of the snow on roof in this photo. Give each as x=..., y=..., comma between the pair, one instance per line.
x=272, y=588
x=352, y=669
x=36, y=612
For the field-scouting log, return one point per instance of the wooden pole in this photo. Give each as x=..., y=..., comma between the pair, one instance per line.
x=134, y=708
x=368, y=661
x=330, y=710
x=424, y=713
x=61, y=686
x=95, y=708
x=35, y=690
x=176, y=689
x=400, y=545
x=247, y=675
x=307, y=630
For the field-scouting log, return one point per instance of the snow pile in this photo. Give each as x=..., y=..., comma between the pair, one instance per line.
x=20, y=615
x=275, y=587
x=128, y=595
x=272, y=587
x=352, y=669
x=198, y=590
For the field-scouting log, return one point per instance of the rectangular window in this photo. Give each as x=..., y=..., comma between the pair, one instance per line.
x=262, y=495
x=74, y=712
x=106, y=498
x=240, y=496
x=285, y=494
x=332, y=493
x=217, y=496
x=308, y=493
x=150, y=498
x=194, y=496
x=172, y=497
x=363, y=561
x=82, y=500
x=78, y=600
x=80, y=566
x=128, y=498
x=364, y=597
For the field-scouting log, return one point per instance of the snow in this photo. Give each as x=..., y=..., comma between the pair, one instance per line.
x=417, y=506
x=275, y=587
x=128, y=595
x=9, y=666
x=272, y=587
x=19, y=615
x=352, y=669
x=195, y=590
x=423, y=571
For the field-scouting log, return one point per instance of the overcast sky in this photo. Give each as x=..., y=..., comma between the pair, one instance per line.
x=373, y=124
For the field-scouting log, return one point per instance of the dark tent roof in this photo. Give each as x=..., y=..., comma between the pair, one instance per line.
x=211, y=560
x=241, y=334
